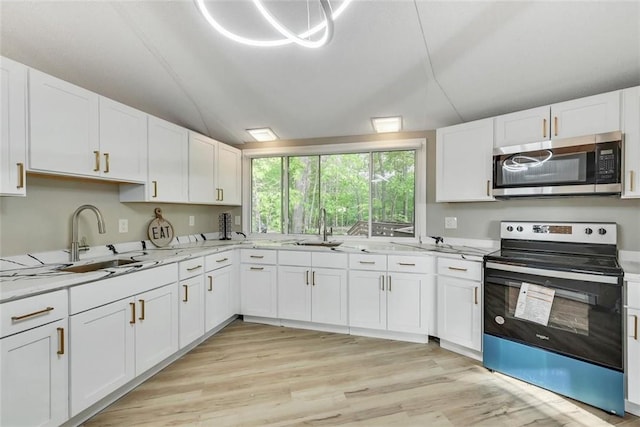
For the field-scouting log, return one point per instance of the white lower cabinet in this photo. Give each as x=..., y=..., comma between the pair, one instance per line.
x=34, y=367
x=633, y=347
x=191, y=310
x=221, y=292
x=258, y=283
x=460, y=303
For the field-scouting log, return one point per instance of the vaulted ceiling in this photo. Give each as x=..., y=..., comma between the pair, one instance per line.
x=436, y=63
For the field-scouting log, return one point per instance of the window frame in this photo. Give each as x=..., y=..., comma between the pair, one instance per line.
x=420, y=191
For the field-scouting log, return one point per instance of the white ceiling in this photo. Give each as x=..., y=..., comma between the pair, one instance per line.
x=436, y=63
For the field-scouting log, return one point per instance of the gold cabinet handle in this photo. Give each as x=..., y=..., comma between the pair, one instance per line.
x=106, y=160
x=155, y=188
x=222, y=260
x=97, y=166
x=488, y=187
x=30, y=315
x=133, y=312
x=217, y=194
x=210, y=283
x=141, y=301
x=194, y=268
x=555, y=125
x=21, y=175
x=186, y=293
x=635, y=327
x=256, y=256
x=632, y=179
x=367, y=262
x=457, y=269
x=382, y=282
x=544, y=128
x=257, y=268
x=306, y=277
x=313, y=278
x=407, y=264
x=222, y=194
x=389, y=283
x=475, y=295
x=60, y=341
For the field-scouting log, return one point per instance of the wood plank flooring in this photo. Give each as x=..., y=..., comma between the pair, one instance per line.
x=258, y=375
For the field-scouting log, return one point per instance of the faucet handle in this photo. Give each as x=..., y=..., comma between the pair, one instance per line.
x=83, y=245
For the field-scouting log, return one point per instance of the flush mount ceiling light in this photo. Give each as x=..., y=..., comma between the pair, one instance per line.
x=262, y=134
x=302, y=39
x=387, y=124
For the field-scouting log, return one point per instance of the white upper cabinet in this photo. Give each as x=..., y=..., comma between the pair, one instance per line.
x=63, y=127
x=202, y=157
x=631, y=130
x=228, y=175
x=123, y=142
x=13, y=127
x=522, y=127
x=463, y=162
x=585, y=116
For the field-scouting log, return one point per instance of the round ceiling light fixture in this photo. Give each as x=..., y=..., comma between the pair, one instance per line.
x=302, y=39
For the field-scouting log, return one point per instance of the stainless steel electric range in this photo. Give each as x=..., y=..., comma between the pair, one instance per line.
x=553, y=309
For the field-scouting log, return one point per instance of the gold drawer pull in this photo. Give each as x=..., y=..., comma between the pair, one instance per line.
x=256, y=256
x=218, y=195
x=306, y=277
x=133, y=312
x=475, y=295
x=21, y=175
x=97, y=166
x=210, y=283
x=407, y=264
x=382, y=282
x=34, y=314
x=632, y=179
x=194, y=268
x=106, y=160
x=457, y=269
x=155, y=188
x=544, y=128
x=555, y=125
x=635, y=327
x=313, y=278
x=257, y=268
x=141, y=309
x=389, y=283
x=367, y=262
x=488, y=187
x=60, y=341
x=186, y=293
x=222, y=260
x=222, y=194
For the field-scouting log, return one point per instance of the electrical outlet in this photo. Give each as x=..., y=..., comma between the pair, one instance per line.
x=123, y=225
x=450, y=222
x=238, y=220
x=192, y=220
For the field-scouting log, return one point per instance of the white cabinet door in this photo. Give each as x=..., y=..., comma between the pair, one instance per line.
x=523, y=126
x=406, y=297
x=329, y=296
x=633, y=355
x=464, y=162
x=258, y=293
x=218, y=297
x=34, y=368
x=201, y=168
x=191, y=310
x=459, y=311
x=367, y=299
x=585, y=116
x=631, y=130
x=123, y=142
x=294, y=293
x=13, y=128
x=229, y=175
x=156, y=330
x=168, y=162
x=63, y=125
x=102, y=349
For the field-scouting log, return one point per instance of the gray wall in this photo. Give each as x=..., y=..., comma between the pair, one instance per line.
x=42, y=220
x=481, y=220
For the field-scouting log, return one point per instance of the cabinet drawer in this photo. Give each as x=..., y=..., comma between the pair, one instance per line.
x=297, y=258
x=218, y=260
x=256, y=256
x=329, y=260
x=633, y=295
x=191, y=267
x=368, y=262
x=410, y=264
x=27, y=313
x=461, y=268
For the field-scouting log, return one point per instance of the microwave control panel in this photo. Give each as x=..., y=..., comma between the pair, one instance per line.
x=608, y=163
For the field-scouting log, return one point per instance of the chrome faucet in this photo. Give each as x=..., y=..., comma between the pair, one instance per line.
x=323, y=225
x=75, y=250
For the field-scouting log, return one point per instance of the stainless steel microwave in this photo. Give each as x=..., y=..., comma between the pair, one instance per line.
x=572, y=166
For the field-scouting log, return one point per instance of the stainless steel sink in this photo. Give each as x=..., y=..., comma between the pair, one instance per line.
x=323, y=244
x=85, y=268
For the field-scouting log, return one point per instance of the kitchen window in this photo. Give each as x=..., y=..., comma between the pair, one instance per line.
x=365, y=194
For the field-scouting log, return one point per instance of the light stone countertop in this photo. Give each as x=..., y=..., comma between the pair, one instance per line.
x=630, y=263
x=33, y=274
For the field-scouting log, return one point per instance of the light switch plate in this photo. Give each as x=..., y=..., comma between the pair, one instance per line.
x=450, y=222
x=123, y=225
x=192, y=220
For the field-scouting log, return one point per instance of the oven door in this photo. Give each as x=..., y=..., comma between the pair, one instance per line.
x=584, y=320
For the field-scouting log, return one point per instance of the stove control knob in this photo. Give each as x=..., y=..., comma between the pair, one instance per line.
x=520, y=228
x=602, y=231
x=509, y=228
x=588, y=231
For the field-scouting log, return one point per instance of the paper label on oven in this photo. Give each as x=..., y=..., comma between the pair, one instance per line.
x=534, y=303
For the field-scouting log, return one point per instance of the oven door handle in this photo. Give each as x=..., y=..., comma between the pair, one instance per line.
x=557, y=274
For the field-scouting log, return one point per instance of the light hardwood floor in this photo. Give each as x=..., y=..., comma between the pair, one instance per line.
x=257, y=375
